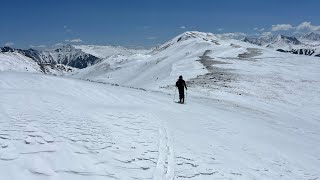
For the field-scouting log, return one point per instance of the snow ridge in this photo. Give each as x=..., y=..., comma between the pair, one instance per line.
x=67, y=55
x=308, y=44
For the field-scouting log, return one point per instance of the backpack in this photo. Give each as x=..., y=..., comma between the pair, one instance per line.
x=179, y=83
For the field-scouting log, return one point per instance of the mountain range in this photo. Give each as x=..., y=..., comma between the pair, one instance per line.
x=69, y=58
x=251, y=111
x=66, y=55
x=308, y=44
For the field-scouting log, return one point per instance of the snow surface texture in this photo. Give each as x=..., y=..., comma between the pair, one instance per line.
x=106, y=51
x=17, y=62
x=55, y=128
x=13, y=61
x=251, y=113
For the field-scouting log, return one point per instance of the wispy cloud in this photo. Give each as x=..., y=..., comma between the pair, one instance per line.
x=67, y=29
x=258, y=29
x=281, y=27
x=220, y=29
x=266, y=34
x=301, y=28
x=143, y=28
x=8, y=44
x=74, y=40
x=151, y=38
x=58, y=45
x=38, y=46
x=182, y=27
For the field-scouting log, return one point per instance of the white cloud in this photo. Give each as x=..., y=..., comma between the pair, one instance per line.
x=220, y=29
x=151, y=38
x=8, y=44
x=300, y=29
x=257, y=29
x=67, y=29
x=74, y=40
x=282, y=27
x=308, y=26
x=38, y=46
x=58, y=45
x=266, y=34
x=182, y=27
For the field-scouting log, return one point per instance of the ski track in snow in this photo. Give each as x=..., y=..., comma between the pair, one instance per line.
x=58, y=128
x=68, y=142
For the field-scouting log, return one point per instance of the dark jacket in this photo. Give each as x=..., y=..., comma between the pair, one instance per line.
x=181, y=84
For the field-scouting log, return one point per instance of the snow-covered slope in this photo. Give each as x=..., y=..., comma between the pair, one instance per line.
x=225, y=69
x=57, y=69
x=17, y=62
x=251, y=113
x=106, y=51
x=57, y=128
x=312, y=36
x=66, y=55
x=260, y=41
x=276, y=42
x=191, y=54
x=284, y=42
x=161, y=66
x=14, y=61
x=306, y=45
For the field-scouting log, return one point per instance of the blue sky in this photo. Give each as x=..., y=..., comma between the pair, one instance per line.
x=146, y=23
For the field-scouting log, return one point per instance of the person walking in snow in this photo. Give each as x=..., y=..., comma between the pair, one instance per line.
x=181, y=84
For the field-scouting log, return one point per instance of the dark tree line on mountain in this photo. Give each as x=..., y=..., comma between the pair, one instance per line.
x=308, y=52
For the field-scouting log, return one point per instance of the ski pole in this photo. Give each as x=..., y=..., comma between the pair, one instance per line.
x=174, y=96
x=186, y=97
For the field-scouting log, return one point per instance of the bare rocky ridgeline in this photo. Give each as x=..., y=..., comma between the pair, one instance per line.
x=218, y=77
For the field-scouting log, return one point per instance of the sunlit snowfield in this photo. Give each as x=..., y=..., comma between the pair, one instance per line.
x=251, y=113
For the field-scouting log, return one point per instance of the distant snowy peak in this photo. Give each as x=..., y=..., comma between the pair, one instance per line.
x=312, y=36
x=306, y=45
x=67, y=49
x=260, y=41
x=288, y=39
x=107, y=51
x=67, y=55
x=206, y=36
x=284, y=42
x=275, y=42
x=195, y=34
x=188, y=36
